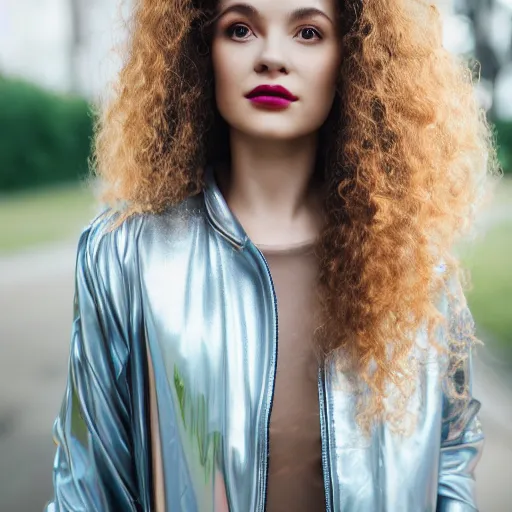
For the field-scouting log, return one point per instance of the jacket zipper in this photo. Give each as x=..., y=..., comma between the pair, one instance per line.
x=324, y=432
x=270, y=397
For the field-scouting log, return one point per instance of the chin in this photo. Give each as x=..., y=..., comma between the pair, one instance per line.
x=274, y=130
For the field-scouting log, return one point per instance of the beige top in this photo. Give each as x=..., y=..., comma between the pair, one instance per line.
x=295, y=480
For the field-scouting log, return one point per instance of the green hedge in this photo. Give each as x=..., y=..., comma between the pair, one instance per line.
x=504, y=140
x=44, y=137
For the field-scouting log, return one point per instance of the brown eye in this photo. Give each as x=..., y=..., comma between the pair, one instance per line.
x=238, y=31
x=309, y=33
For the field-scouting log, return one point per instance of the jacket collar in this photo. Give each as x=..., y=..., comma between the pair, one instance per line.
x=221, y=217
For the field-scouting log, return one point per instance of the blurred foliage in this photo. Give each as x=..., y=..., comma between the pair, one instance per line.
x=44, y=137
x=488, y=259
x=504, y=141
x=491, y=277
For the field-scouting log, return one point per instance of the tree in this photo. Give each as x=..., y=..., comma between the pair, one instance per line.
x=76, y=15
x=480, y=13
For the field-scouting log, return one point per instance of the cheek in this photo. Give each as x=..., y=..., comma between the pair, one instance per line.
x=323, y=80
x=225, y=67
x=229, y=78
x=326, y=73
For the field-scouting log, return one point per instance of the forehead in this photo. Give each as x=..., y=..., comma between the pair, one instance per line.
x=281, y=7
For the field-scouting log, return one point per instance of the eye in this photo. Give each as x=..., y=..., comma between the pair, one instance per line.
x=309, y=33
x=238, y=31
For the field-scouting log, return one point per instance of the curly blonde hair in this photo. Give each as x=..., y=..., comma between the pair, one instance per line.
x=403, y=166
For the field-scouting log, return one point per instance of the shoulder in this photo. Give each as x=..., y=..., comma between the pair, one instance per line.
x=107, y=236
x=110, y=239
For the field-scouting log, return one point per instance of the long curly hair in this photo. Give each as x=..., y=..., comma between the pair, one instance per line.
x=404, y=162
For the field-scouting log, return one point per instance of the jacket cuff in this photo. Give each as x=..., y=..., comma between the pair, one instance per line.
x=448, y=505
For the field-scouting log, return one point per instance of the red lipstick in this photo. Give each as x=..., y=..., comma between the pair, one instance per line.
x=274, y=96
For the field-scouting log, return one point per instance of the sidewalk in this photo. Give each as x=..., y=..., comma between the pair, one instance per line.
x=35, y=263
x=494, y=470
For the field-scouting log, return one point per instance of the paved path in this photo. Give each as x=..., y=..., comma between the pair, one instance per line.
x=36, y=309
x=36, y=306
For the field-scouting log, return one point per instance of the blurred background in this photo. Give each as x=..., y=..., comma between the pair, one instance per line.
x=56, y=61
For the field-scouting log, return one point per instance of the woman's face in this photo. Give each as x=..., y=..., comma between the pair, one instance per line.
x=291, y=43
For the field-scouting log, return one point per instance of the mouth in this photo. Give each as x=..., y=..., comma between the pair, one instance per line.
x=271, y=91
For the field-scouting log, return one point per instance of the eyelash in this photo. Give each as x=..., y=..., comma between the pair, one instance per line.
x=231, y=29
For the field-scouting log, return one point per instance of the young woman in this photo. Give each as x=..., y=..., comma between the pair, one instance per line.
x=268, y=316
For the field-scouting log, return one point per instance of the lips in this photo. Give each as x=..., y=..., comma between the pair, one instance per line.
x=272, y=90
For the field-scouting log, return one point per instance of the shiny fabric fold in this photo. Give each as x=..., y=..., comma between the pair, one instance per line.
x=94, y=466
x=189, y=288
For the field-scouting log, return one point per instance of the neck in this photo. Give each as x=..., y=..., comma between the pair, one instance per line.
x=268, y=188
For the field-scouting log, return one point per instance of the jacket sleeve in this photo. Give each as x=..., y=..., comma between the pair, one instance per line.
x=93, y=468
x=462, y=438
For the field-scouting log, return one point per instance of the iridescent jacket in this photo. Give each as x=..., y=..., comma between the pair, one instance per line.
x=190, y=287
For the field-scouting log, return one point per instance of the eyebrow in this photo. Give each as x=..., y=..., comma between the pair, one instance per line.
x=251, y=12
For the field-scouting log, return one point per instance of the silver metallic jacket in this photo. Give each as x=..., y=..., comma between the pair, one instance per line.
x=189, y=286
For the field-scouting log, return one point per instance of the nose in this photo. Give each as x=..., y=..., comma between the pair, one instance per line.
x=272, y=57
